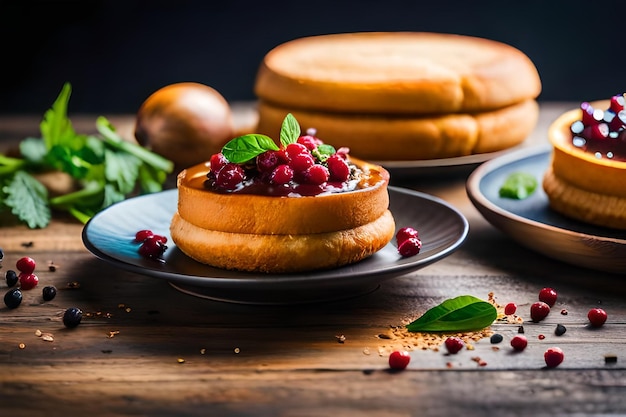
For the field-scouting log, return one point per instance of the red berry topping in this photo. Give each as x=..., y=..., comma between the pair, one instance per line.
x=26, y=265
x=267, y=161
x=281, y=175
x=316, y=175
x=454, y=344
x=510, y=309
x=229, y=177
x=338, y=168
x=217, y=161
x=142, y=235
x=294, y=149
x=406, y=233
x=548, y=296
x=519, y=343
x=553, y=357
x=301, y=162
x=399, y=359
x=539, y=311
x=28, y=281
x=309, y=141
x=597, y=317
x=410, y=247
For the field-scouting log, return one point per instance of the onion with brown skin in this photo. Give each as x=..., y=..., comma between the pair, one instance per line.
x=185, y=123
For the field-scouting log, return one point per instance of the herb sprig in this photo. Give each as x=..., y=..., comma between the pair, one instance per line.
x=106, y=168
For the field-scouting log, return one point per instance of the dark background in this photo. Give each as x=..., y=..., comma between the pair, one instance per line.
x=116, y=53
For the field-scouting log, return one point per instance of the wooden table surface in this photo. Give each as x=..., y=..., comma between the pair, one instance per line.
x=144, y=348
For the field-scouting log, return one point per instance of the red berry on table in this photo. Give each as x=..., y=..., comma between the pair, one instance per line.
x=553, y=357
x=510, y=309
x=539, y=311
x=28, y=281
x=26, y=265
x=454, y=344
x=406, y=233
x=519, y=343
x=548, y=296
x=399, y=359
x=410, y=247
x=597, y=317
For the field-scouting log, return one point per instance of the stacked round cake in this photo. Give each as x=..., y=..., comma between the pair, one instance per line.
x=401, y=95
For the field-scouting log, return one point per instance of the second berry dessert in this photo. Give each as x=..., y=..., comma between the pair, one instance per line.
x=297, y=206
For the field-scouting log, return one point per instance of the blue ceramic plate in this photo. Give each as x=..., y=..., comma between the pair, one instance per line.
x=533, y=224
x=109, y=235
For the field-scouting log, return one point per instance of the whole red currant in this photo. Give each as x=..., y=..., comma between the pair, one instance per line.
x=539, y=311
x=399, y=359
x=548, y=296
x=410, y=247
x=553, y=357
x=28, y=281
x=406, y=233
x=142, y=235
x=597, y=317
x=25, y=265
x=510, y=309
x=454, y=344
x=519, y=343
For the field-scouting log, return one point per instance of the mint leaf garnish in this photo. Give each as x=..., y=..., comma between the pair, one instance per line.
x=463, y=313
x=289, y=130
x=243, y=148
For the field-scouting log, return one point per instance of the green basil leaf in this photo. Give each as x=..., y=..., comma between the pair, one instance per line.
x=518, y=186
x=463, y=313
x=243, y=148
x=289, y=130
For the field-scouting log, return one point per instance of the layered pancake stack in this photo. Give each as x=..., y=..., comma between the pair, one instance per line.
x=392, y=96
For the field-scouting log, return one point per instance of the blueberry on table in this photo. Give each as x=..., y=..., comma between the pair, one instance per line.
x=13, y=298
x=72, y=317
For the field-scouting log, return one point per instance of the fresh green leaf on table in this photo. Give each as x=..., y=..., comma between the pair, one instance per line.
x=107, y=168
x=463, y=313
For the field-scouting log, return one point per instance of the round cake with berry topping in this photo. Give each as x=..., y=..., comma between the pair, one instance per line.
x=586, y=177
x=300, y=206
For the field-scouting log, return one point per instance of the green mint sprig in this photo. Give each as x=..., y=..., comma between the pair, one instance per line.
x=107, y=168
x=463, y=313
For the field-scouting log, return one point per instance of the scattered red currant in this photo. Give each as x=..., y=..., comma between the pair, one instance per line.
x=399, y=359
x=510, y=309
x=539, y=311
x=519, y=343
x=410, y=247
x=28, y=281
x=454, y=344
x=553, y=357
x=142, y=235
x=597, y=317
x=25, y=265
x=548, y=296
x=406, y=233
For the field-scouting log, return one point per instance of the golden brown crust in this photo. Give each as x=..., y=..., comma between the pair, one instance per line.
x=584, y=205
x=396, y=73
x=282, y=253
x=379, y=137
x=257, y=214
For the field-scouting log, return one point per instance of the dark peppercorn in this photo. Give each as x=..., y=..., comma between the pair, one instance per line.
x=72, y=317
x=13, y=298
x=11, y=278
x=560, y=330
x=496, y=338
x=520, y=329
